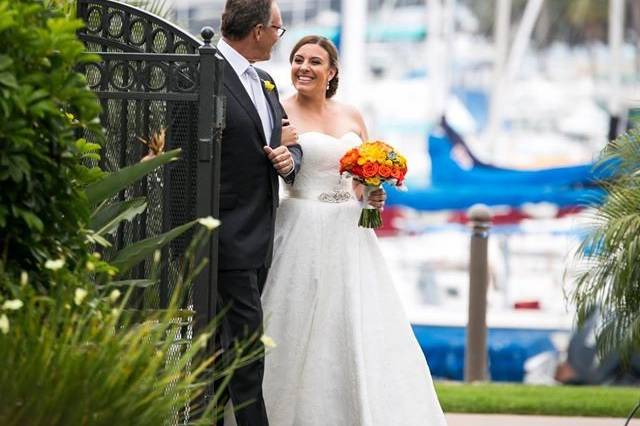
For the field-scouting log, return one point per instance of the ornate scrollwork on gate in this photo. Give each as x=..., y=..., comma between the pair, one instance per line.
x=167, y=73
x=141, y=52
x=116, y=27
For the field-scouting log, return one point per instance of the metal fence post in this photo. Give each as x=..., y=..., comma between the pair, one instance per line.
x=210, y=124
x=475, y=358
x=206, y=282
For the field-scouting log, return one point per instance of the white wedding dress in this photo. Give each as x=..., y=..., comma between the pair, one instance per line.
x=345, y=354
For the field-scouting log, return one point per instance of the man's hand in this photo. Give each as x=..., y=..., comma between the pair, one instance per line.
x=377, y=198
x=281, y=159
x=289, y=133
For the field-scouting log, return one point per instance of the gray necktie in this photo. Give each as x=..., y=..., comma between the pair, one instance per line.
x=260, y=102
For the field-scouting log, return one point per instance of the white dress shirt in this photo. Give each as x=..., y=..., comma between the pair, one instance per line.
x=242, y=66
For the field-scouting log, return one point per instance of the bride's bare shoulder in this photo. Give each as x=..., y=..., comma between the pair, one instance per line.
x=343, y=108
x=346, y=110
x=354, y=115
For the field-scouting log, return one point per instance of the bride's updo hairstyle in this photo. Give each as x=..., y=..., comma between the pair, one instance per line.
x=331, y=50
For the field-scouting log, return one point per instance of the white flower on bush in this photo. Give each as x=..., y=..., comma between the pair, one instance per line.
x=54, y=265
x=209, y=222
x=268, y=342
x=12, y=305
x=114, y=295
x=202, y=340
x=4, y=324
x=79, y=296
x=24, y=278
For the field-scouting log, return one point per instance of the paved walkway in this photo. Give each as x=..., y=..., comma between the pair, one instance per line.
x=508, y=420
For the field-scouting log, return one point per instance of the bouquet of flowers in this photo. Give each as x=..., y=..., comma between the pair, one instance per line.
x=372, y=164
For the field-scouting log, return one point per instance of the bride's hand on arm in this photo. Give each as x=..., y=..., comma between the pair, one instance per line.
x=289, y=133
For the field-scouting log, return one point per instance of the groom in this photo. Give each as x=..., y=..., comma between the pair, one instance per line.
x=252, y=159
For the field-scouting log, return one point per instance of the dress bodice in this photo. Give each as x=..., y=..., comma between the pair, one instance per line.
x=320, y=169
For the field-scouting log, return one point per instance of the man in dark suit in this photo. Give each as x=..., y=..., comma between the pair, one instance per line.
x=252, y=159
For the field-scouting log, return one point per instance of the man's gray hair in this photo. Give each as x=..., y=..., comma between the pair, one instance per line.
x=241, y=16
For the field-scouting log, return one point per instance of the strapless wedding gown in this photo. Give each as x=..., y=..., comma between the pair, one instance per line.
x=346, y=354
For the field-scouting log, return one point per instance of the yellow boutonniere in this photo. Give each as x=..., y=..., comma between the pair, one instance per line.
x=268, y=85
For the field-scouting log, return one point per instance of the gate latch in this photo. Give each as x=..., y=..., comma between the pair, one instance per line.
x=204, y=149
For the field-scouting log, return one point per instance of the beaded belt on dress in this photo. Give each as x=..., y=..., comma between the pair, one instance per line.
x=332, y=196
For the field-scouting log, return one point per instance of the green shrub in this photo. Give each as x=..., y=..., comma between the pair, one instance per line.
x=43, y=102
x=73, y=354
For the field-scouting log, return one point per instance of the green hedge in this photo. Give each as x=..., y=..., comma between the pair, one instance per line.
x=43, y=103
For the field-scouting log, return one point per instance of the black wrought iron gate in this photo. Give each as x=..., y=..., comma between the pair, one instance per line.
x=155, y=76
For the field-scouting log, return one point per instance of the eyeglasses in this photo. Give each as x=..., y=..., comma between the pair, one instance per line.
x=279, y=30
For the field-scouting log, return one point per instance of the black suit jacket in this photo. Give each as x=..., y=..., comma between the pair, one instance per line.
x=249, y=183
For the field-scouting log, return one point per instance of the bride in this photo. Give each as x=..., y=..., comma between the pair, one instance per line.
x=345, y=354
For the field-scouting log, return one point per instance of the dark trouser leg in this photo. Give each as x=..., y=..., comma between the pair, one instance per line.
x=239, y=293
x=262, y=279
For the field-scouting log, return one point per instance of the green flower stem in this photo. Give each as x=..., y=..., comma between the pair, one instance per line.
x=370, y=216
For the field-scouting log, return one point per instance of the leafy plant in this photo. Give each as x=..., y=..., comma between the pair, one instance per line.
x=610, y=282
x=73, y=354
x=43, y=102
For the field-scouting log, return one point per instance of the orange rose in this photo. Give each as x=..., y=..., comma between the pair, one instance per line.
x=398, y=173
x=369, y=170
x=384, y=171
x=350, y=157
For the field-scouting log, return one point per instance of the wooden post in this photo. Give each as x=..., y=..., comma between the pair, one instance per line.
x=475, y=358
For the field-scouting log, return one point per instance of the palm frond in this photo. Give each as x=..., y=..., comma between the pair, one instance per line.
x=161, y=8
x=610, y=255
x=623, y=154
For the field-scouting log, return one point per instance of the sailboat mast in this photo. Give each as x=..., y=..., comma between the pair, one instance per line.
x=353, y=71
x=514, y=61
x=501, y=31
x=435, y=52
x=616, y=33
